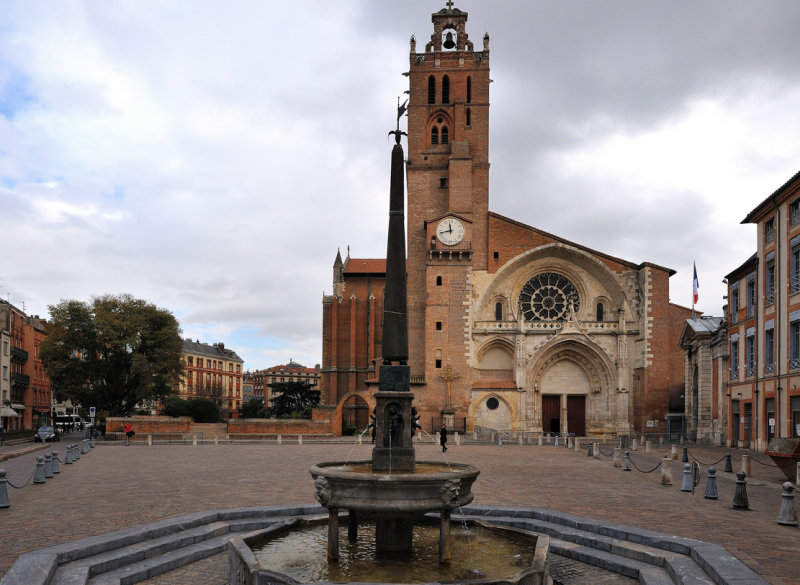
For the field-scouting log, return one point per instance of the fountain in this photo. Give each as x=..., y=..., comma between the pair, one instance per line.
x=393, y=492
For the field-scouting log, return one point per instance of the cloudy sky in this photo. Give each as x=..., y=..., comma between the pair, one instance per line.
x=212, y=156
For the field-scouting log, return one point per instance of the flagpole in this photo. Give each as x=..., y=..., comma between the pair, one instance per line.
x=695, y=286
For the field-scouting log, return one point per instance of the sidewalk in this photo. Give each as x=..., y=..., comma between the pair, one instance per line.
x=115, y=486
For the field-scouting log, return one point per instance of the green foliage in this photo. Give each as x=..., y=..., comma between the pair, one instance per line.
x=174, y=406
x=203, y=410
x=112, y=353
x=293, y=399
x=253, y=408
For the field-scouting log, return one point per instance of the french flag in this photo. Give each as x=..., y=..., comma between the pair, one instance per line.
x=695, y=284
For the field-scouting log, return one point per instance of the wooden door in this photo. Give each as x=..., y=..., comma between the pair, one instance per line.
x=551, y=414
x=576, y=415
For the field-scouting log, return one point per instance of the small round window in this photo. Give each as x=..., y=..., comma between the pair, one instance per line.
x=492, y=403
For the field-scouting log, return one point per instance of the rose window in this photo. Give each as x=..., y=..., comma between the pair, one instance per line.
x=546, y=297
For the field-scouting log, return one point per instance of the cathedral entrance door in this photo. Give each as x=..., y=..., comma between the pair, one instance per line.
x=576, y=415
x=551, y=414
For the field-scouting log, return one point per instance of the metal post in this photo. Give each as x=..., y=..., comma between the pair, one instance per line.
x=4, y=502
x=38, y=474
x=711, y=485
x=728, y=464
x=48, y=465
x=740, y=495
x=787, y=515
x=56, y=468
x=685, y=458
x=591, y=449
x=686, y=485
x=626, y=466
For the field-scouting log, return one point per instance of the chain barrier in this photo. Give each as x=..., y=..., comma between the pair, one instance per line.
x=705, y=464
x=767, y=464
x=642, y=471
x=589, y=444
x=600, y=448
x=19, y=487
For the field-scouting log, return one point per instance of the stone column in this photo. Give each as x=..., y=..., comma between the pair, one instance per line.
x=666, y=471
x=746, y=464
x=333, y=534
x=444, y=537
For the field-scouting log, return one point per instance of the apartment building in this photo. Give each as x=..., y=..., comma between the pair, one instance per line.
x=212, y=371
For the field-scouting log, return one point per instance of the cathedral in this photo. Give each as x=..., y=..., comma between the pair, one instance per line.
x=511, y=329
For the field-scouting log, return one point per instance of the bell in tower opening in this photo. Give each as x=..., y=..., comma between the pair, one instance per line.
x=449, y=42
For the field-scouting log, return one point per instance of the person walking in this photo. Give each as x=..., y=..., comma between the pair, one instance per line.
x=443, y=438
x=129, y=432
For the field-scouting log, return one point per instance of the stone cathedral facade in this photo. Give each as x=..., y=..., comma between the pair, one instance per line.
x=510, y=328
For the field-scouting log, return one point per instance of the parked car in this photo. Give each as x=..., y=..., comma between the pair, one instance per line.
x=46, y=434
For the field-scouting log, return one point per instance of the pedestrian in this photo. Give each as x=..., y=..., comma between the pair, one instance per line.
x=1, y=435
x=443, y=438
x=129, y=432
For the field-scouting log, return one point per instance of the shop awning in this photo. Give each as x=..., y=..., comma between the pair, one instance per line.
x=6, y=411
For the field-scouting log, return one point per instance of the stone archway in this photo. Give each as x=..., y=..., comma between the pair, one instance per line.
x=493, y=412
x=578, y=379
x=355, y=413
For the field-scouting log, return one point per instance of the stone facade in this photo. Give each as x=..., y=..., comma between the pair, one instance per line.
x=510, y=328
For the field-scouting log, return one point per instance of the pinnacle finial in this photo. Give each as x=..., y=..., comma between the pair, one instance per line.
x=449, y=4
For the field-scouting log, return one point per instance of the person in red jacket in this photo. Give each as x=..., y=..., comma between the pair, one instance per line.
x=129, y=432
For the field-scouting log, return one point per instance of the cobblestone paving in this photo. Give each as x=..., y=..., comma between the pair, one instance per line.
x=113, y=487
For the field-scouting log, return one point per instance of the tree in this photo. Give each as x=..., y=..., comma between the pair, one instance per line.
x=112, y=353
x=253, y=408
x=293, y=399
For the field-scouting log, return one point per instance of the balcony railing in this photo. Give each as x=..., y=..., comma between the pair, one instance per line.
x=770, y=295
x=734, y=374
x=795, y=283
x=19, y=354
x=749, y=369
x=769, y=368
x=20, y=380
x=794, y=364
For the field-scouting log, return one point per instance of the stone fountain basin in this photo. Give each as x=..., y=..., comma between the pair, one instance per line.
x=431, y=486
x=245, y=568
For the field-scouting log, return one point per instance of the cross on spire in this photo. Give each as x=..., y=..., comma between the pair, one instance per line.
x=449, y=4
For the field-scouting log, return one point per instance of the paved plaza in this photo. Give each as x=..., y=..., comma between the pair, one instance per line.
x=115, y=487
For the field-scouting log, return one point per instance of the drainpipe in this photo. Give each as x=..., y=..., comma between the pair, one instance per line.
x=778, y=229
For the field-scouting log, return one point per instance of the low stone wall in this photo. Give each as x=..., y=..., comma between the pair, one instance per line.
x=278, y=426
x=240, y=428
x=146, y=425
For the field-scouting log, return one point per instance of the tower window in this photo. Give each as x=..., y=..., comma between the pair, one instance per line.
x=469, y=90
x=496, y=255
x=438, y=364
x=438, y=281
x=443, y=182
x=446, y=90
x=498, y=311
x=469, y=117
x=431, y=90
x=445, y=135
x=434, y=135
x=438, y=326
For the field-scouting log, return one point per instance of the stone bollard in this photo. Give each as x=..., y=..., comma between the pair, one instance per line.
x=617, y=457
x=359, y=440
x=787, y=515
x=216, y=440
x=67, y=456
x=648, y=447
x=591, y=449
x=685, y=458
x=299, y=439
x=666, y=471
x=740, y=495
x=674, y=453
x=149, y=440
x=711, y=485
x=91, y=443
x=458, y=438
x=474, y=435
x=86, y=447
x=661, y=441
x=76, y=451
x=4, y=503
x=746, y=465
x=56, y=468
x=279, y=439
x=596, y=453
x=576, y=443
x=520, y=439
x=728, y=464
x=634, y=444
x=626, y=463
x=194, y=440
x=687, y=484
x=38, y=474
x=48, y=465
x=540, y=440
x=556, y=443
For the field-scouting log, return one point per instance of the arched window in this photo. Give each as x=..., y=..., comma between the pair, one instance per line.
x=469, y=117
x=498, y=311
x=469, y=90
x=445, y=135
x=438, y=281
x=446, y=90
x=600, y=311
x=434, y=135
x=431, y=90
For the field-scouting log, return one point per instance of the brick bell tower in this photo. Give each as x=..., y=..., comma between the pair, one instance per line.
x=448, y=203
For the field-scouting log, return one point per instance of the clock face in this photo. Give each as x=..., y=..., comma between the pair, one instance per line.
x=450, y=231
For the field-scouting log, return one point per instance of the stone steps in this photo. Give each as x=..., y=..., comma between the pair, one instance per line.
x=651, y=557
x=135, y=554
